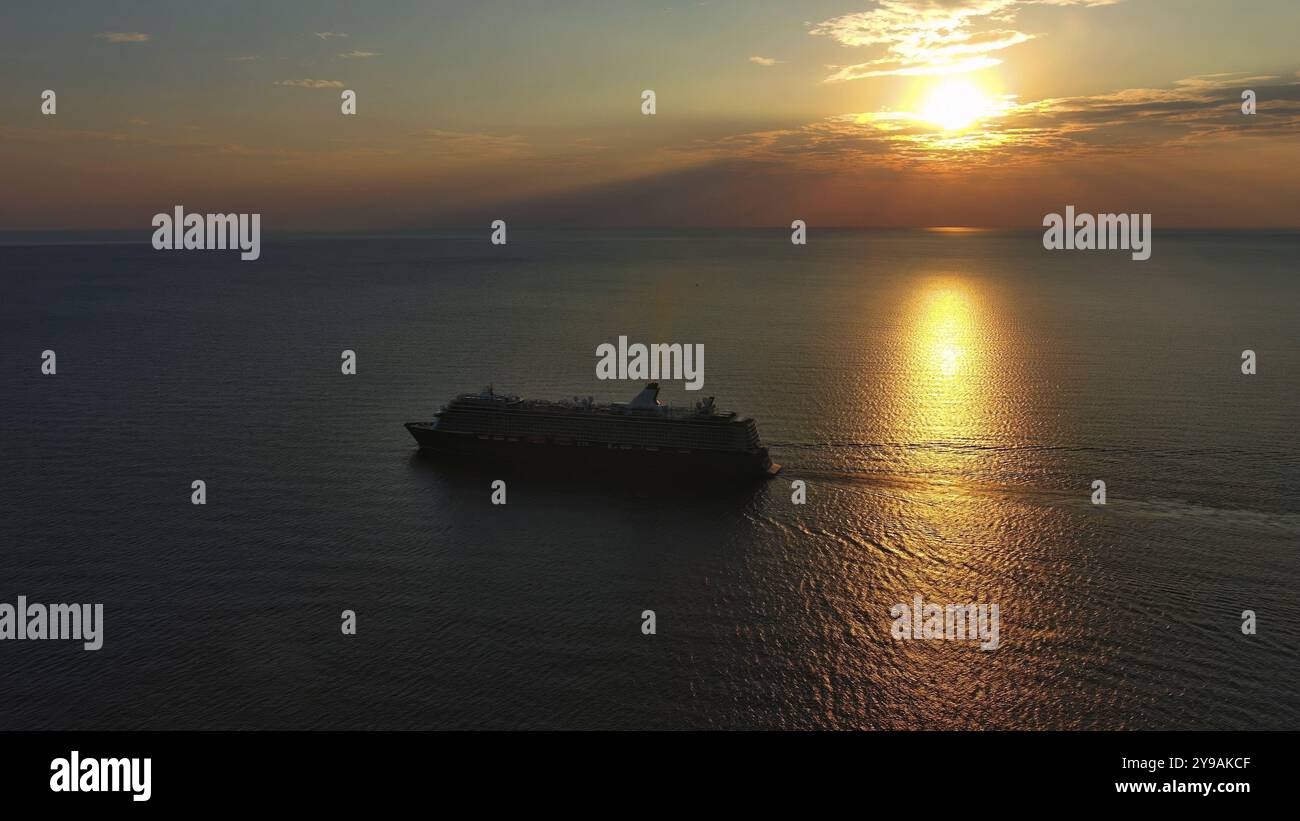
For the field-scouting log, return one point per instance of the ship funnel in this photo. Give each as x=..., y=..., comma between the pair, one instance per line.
x=648, y=398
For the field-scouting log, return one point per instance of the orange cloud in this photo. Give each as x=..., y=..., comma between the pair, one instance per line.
x=124, y=36
x=1195, y=112
x=310, y=83
x=923, y=37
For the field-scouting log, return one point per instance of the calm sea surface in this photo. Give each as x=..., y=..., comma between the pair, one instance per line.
x=949, y=399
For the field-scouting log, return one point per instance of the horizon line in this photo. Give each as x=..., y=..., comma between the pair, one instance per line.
x=88, y=234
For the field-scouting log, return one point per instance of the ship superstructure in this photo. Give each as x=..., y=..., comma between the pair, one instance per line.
x=641, y=431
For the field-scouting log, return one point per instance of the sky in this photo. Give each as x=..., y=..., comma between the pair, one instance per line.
x=850, y=113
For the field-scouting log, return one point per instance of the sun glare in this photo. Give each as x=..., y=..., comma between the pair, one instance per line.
x=955, y=105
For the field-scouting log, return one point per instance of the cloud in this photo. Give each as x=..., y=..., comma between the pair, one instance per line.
x=1141, y=122
x=765, y=61
x=245, y=58
x=124, y=36
x=358, y=55
x=433, y=151
x=153, y=144
x=475, y=146
x=438, y=150
x=1226, y=80
x=925, y=37
x=328, y=35
x=310, y=83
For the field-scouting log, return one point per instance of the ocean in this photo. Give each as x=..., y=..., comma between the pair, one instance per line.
x=948, y=398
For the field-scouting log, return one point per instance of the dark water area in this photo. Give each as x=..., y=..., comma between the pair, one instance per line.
x=949, y=399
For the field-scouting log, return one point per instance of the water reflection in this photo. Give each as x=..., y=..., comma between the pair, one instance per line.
x=946, y=386
x=942, y=532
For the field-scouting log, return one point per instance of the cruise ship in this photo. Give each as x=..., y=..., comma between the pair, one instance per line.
x=642, y=434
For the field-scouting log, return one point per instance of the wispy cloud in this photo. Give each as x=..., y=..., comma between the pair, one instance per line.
x=124, y=36
x=309, y=83
x=245, y=58
x=921, y=37
x=1194, y=113
x=358, y=55
x=475, y=146
x=1227, y=79
x=765, y=61
x=152, y=143
x=328, y=35
x=433, y=150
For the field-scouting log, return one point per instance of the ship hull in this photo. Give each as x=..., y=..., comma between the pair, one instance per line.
x=594, y=457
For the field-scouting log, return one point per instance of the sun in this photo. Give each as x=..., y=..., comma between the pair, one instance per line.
x=955, y=105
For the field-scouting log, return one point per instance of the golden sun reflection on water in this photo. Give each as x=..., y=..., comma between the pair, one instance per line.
x=945, y=403
x=945, y=330
x=948, y=362
x=956, y=542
